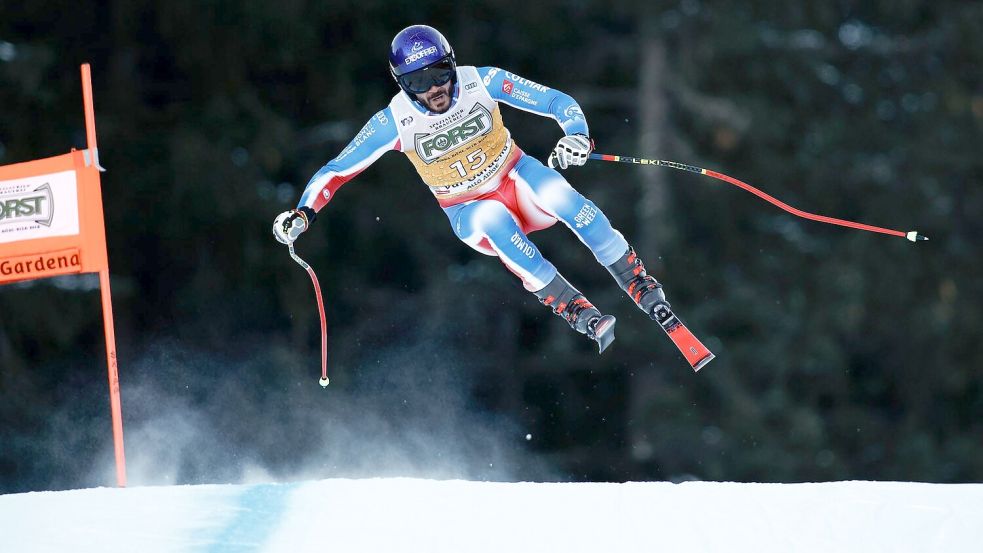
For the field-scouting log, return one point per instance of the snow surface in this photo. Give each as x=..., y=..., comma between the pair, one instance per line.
x=387, y=515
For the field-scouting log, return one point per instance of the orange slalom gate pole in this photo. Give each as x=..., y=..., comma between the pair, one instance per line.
x=116, y=406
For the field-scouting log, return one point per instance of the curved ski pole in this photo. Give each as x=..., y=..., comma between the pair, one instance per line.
x=910, y=235
x=320, y=308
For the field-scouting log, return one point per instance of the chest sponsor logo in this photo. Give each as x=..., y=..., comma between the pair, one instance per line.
x=448, y=120
x=431, y=146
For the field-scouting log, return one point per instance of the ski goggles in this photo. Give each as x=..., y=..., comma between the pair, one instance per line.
x=435, y=74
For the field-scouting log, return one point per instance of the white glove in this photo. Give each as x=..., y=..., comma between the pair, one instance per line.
x=571, y=150
x=288, y=225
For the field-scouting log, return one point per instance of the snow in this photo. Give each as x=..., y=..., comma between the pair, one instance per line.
x=405, y=514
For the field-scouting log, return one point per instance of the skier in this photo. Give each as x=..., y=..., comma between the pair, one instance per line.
x=446, y=119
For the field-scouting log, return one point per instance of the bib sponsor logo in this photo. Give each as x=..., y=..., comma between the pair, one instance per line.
x=431, y=146
x=448, y=119
x=406, y=121
x=470, y=86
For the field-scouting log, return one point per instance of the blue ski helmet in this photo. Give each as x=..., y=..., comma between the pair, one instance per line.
x=420, y=57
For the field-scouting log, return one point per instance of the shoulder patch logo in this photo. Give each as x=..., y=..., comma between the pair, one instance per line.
x=507, y=87
x=573, y=112
x=491, y=74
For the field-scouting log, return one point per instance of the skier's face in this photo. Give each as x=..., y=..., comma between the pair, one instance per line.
x=438, y=98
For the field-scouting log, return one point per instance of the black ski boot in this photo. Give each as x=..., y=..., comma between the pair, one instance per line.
x=567, y=302
x=642, y=288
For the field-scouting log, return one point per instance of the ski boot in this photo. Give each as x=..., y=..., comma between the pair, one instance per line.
x=642, y=288
x=567, y=302
x=647, y=294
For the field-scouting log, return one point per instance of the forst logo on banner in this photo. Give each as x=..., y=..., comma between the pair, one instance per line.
x=36, y=206
x=43, y=206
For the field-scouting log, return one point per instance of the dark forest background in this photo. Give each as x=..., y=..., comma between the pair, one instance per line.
x=840, y=354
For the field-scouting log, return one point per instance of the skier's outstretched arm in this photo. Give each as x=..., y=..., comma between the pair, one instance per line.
x=377, y=137
x=521, y=93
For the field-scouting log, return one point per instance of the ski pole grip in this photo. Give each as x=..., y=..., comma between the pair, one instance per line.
x=297, y=227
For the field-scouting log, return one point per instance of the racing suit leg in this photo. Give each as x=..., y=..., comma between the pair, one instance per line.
x=489, y=227
x=538, y=186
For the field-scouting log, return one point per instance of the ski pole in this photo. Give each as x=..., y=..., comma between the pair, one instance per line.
x=320, y=308
x=910, y=235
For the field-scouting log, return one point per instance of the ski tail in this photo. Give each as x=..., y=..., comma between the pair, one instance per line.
x=696, y=354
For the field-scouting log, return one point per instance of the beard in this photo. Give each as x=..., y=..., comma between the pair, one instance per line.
x=438, y=101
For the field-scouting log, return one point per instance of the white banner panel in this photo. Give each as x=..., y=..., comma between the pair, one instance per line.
x=42, y=206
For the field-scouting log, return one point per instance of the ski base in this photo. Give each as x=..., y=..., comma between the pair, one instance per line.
x=696, y=354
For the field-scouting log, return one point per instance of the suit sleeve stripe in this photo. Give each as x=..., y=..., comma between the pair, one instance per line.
x=377, y=137
x=521, y=93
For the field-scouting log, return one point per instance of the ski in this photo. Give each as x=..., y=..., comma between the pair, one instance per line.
x=696, y=354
